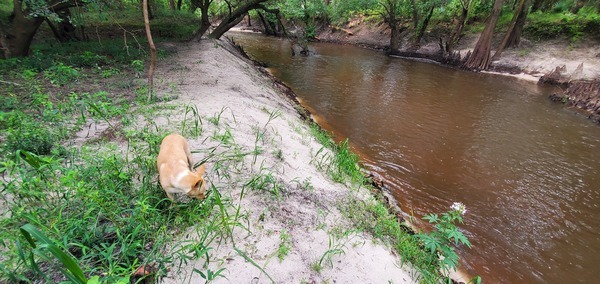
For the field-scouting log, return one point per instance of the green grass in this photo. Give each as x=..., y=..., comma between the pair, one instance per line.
x=103, y=208
x=342, y=165
x=94, y=205
x=166, y=24
x=374, y=217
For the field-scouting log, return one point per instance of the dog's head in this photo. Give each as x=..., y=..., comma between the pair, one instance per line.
x=199, y=186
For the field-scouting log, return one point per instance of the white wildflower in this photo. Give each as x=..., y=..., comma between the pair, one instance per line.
x=458, y=206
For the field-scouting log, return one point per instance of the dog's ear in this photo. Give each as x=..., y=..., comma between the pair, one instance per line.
x=200, y=170
x=198, y=184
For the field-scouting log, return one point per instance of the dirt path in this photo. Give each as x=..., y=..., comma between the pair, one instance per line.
x=262, y=143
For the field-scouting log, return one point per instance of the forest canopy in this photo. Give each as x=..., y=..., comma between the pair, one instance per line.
x=67, y=19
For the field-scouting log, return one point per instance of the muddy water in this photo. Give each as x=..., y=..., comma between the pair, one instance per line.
x=527, y=170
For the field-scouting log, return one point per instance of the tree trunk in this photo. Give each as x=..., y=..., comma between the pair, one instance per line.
x=542, y=5
x=515, y=29
x=456, y=34
x=65, y=31
x=234, y=17
x=149, y=9
x=15, y=39
x=172, y=5
x=204, y=21
x=268, y=28
x=224, y=26
x=415, y=14
x=423, y=28
x=152, y=49
x=391, y=18
x=179, y=2
x=537, y=4
x=394, y=39
x=480, y=58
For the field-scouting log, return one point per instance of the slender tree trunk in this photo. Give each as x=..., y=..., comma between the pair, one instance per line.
x=537, y=5
x=423, y=27
x=179, y=2
x=148, y=7
x=394, y=39
x=480, y=58
x=64, y=31
x=152, y=49
x=415, y=14
x=172, y=5
x=268, y=28
x=55, y=31
x=456, y=34
x=515, y=29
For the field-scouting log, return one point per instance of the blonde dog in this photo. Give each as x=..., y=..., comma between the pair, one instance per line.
x=175, y=170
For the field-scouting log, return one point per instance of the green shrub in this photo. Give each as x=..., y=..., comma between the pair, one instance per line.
x=89, y=59
x=29, y=136
x=61, y=74
x=574, y=26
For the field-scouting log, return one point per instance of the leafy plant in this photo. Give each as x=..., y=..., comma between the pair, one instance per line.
x=29, y=136
x=210, y=275
x=285, y=245
x=42, y=246
x=445, y=234
x=61, y=74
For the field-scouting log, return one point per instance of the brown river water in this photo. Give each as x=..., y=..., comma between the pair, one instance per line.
x=527, y=169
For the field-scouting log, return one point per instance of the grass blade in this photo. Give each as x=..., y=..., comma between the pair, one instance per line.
x=248, y=259
x=74, y=273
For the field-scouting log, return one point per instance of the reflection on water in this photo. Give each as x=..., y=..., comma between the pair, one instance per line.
x=526, y=169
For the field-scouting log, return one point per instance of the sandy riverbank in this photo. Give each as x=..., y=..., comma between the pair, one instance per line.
x=242, y=112
x=529, y=61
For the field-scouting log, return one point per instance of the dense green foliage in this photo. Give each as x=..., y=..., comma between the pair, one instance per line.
x=564, y=23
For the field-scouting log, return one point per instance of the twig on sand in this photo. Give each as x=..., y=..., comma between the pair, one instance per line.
x=10, y=83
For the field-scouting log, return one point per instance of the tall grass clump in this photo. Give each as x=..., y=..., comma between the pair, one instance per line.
x=342, y=165
x=101, y=208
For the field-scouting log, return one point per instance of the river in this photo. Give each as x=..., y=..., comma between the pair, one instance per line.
x=527, y=169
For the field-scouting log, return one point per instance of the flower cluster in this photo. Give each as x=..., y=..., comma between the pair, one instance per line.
x=459, y=207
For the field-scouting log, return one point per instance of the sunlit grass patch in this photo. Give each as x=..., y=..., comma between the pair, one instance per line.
x=342, y=164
